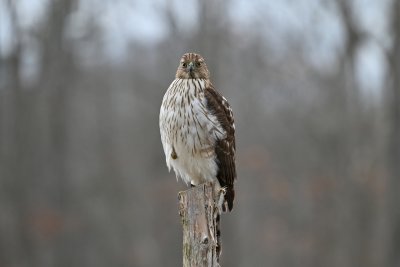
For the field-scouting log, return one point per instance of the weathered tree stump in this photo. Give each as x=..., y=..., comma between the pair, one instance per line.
x=198, y=211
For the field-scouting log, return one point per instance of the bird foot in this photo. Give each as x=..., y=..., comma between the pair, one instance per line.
x=221, y=200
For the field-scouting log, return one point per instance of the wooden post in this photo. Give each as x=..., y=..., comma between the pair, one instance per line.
x=199, y=214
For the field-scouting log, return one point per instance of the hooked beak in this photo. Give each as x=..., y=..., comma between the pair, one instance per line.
x=190, y=67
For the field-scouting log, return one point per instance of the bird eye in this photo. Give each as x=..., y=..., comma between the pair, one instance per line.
x=198, y=64
x=184, y=64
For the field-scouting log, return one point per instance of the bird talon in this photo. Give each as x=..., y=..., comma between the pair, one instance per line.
x=221, y=200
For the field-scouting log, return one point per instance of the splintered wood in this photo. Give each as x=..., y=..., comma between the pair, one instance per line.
x=198, y=214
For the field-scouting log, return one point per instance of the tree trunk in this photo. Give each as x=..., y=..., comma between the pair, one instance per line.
x=394, y=143
x=200, y=221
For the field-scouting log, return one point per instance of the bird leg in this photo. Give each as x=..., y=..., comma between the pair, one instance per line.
x=220, y=191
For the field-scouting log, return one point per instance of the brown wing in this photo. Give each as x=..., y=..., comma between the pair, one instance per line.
x=225, y=148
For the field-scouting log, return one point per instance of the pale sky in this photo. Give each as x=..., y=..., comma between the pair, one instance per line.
x=124, y=21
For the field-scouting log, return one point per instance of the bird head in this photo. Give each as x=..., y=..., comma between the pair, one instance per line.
x=192, y=66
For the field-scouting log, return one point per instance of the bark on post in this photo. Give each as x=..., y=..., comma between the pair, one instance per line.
x=199, y=221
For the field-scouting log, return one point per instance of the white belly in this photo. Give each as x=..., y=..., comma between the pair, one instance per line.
x=189, y=130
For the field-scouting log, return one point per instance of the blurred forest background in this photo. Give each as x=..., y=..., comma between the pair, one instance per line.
x=315, y=87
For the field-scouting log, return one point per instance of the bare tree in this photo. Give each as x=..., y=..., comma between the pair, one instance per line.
x=393, y=258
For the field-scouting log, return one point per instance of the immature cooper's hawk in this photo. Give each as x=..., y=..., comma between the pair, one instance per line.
x=197, y=129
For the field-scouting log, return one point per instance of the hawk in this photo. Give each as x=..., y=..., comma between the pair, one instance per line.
x=197, y=129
